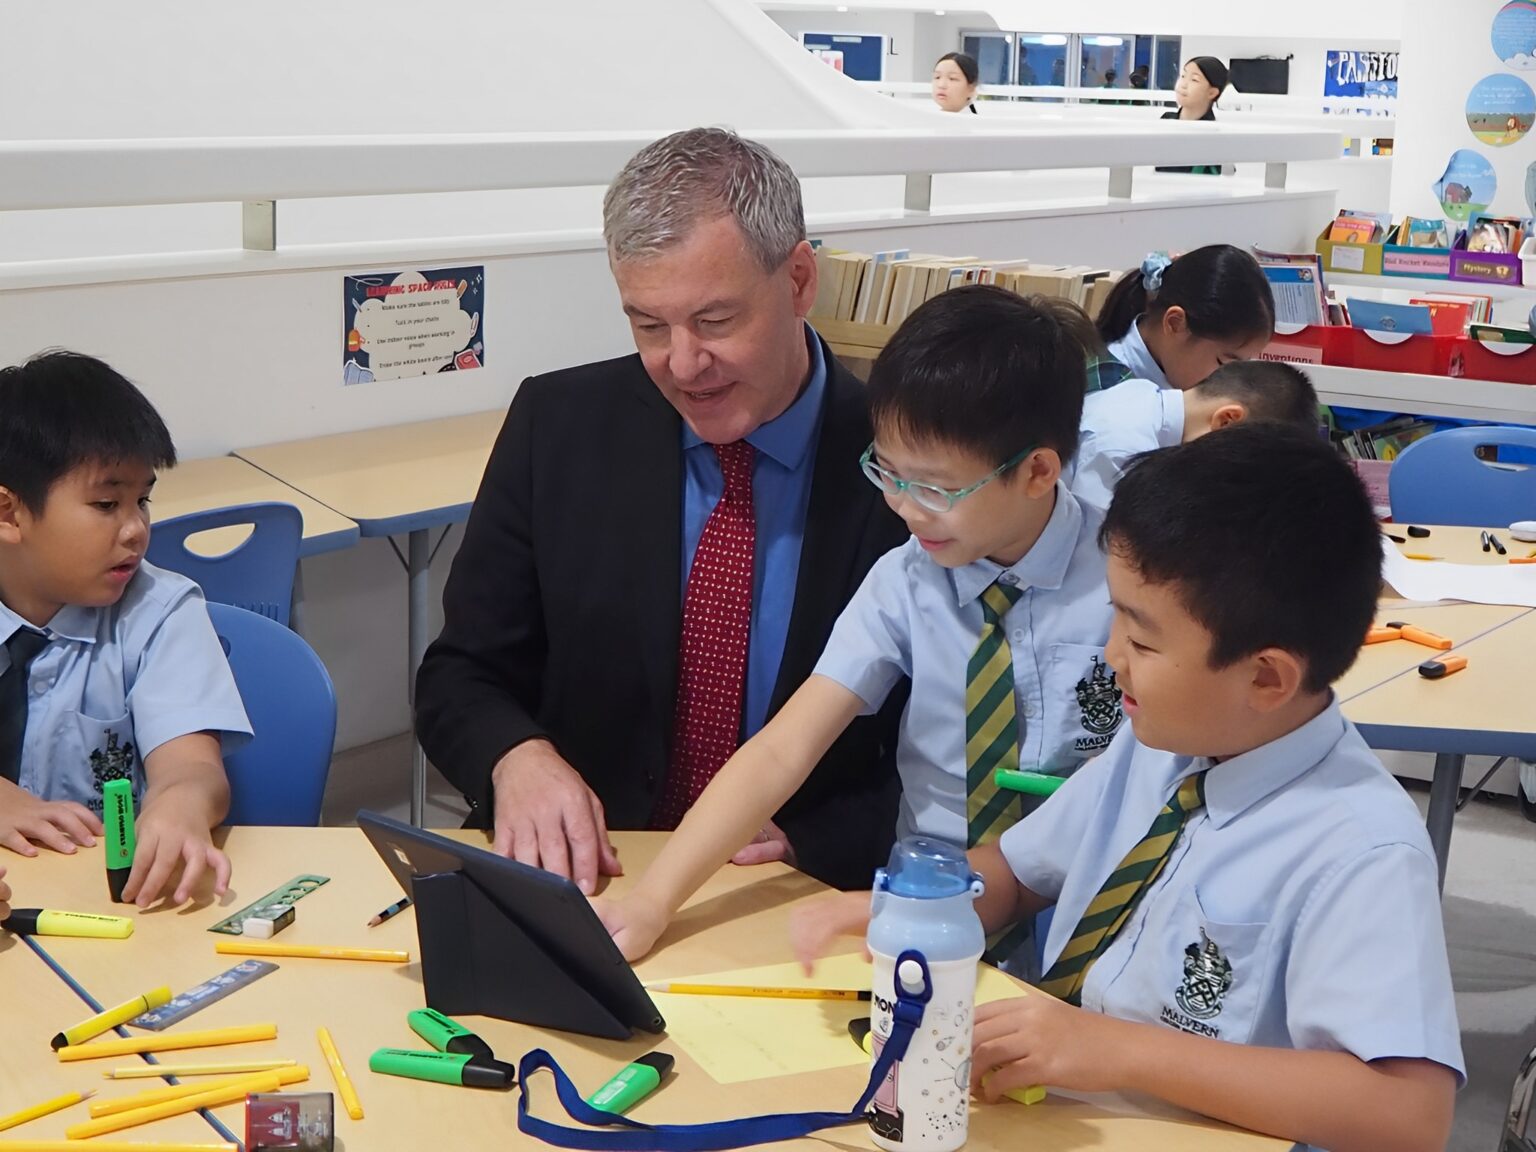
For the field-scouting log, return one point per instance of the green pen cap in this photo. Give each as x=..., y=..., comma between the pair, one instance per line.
x=457, y=1068
x=1030, y=783
x=117, y=818
x=446, y=1034
x=633, y=1083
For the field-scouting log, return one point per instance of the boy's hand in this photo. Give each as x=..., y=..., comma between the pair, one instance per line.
x=58, y=824
x=814, y=925
x=1038, y=1039
x=634, y=923
x=172, y=830
x=5, y=896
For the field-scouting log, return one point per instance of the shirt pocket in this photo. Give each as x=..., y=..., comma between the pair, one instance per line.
x=1216, y=972
x=108, y=751
x=1082, y=705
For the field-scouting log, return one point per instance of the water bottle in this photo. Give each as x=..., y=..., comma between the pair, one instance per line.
x=922, y=903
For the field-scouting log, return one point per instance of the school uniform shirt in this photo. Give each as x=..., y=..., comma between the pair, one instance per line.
x=1118, y=426
x=1198, y=169
x=115, y=683
x=914, y=618
x=1298, y=909
x=1132, y=351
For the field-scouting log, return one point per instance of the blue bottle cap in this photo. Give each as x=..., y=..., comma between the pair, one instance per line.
x=927, y=869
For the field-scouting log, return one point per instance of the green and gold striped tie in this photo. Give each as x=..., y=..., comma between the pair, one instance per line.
x=1110, y=909
x=991, y=723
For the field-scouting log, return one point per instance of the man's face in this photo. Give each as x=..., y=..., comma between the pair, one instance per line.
x=721, y=338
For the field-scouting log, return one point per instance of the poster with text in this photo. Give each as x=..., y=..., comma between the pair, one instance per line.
x=416, y=323
x=1501, y=109
x=1514, y=34
x=1468, y=185
x=1361, y=74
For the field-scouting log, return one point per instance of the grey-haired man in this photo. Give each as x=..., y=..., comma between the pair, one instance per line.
x=662, y=543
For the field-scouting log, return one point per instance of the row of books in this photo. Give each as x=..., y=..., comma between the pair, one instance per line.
x=886, y=287
x=1354, y=226
x=1384, y=441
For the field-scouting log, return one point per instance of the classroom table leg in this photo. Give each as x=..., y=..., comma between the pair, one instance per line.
x=296, y=612
x=417, y=566
x=1443, y=787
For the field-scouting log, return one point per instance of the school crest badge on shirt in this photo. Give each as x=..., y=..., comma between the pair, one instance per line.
x=1207, y=980
x=114, y=762
x=1098, y=698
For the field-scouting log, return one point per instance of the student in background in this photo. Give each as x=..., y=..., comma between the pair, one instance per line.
x=995, y=608
x=1141, y=417
x=111, y=667
x=955, y=80
x=1200, y=85
x=1104, y=371
x=1247, y=922
x=1174, y=322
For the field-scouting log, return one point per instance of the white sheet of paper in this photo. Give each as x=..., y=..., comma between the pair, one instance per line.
x=1475, y=583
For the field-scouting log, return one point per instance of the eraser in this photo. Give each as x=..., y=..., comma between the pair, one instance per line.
x=1524, y=530
x=265, y=923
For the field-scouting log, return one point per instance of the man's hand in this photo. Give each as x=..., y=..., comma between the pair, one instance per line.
x=634, y=923
x=58, y=824
x=768, y=846
x=171, y=831
x=1038, y=1039
x=546, y=816
x=814, y=925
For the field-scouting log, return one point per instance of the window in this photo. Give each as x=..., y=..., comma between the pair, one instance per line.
x=993, y=52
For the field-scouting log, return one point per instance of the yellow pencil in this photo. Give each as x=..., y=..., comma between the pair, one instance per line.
x=46, y=1108
x=214, y=1098
x=111, y=1018
x=339, y=1073
x=749, y=990
x=148, y=1071
x=1420, y=556
x=108, y=1146
x=171, y=1042
x=159, y=1095
x=242, y=947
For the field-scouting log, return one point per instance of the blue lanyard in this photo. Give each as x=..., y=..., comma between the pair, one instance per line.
x=610, y=1133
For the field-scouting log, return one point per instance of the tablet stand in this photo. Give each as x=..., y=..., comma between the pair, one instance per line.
x=476, y=960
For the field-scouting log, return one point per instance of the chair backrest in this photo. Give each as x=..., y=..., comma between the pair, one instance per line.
x=257, y=574
x=278, y=777
x=1440, y=480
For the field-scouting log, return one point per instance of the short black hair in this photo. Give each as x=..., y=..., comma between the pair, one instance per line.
x=1271, y=391
x=1268, y=536
x=963, y=61
x=62, y=409
x=981, y=369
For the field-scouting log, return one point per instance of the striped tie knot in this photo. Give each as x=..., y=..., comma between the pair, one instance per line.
x=996, y=601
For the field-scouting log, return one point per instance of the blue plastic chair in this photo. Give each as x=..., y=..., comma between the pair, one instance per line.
x=277, y=777
x=1439, y=480
x=257, y=574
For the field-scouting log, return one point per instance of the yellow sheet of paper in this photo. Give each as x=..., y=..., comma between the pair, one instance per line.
x=737, y=1038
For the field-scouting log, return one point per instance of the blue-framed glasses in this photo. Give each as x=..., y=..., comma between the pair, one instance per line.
x=929, y=496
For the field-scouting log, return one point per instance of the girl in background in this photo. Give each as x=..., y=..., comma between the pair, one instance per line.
x=1174, y=322
x=955, y=79
x=1200, y=85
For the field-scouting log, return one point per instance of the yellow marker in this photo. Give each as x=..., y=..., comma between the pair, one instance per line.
x=241, y=947
x=676, y=988
x=172, y=1042
x=46, y=1108
x=339, y=1073
x=155, y=1071
x=213, y=1098
x=111, y=1018
x=108, y=1146
x=159, y=1095
x=48, y=922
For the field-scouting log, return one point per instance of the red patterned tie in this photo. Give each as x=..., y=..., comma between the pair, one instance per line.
x=712, y=657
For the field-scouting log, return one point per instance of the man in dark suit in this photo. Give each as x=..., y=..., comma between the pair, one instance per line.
x=662, y=543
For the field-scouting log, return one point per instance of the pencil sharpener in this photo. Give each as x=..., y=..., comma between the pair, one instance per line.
x=265, y=923
x=290, y=1122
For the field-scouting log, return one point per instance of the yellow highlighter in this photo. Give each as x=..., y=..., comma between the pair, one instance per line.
x=48, y=922
x=111, y=1018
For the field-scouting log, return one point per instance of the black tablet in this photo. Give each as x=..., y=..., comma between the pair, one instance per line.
x=500, y=938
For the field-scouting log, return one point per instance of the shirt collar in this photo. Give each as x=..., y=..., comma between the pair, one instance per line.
x=787, y=437
x=1235, y=785
x=1170, y=428
x=71, y=622
x=1138, y=357
x=1043, y=566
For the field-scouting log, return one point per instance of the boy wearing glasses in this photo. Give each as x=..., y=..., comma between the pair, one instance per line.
x=996, y=609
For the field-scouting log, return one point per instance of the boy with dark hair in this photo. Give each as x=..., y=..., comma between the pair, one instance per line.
x=1247, y=921
x=110, y=668
x=1138, y=416
x=995, y=609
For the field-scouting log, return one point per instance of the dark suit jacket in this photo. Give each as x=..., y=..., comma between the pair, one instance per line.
x=564, y=606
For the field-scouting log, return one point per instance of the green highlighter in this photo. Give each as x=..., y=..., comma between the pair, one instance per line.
x=446, y=1034
x=633, y=1084
x=1029, y=783
x=458, y=1068
x=117, y=817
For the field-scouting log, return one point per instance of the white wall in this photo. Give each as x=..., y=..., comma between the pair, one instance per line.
x=1309, y=65
x=901, y=64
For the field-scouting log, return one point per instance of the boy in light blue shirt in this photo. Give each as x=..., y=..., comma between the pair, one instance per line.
x=1247, y=922
x=109, y=667
x=1137, y=416
x=995, y=609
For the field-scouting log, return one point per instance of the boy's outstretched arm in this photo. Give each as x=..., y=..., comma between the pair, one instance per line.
x=1329, y=1099
x=746, y=792
x=186, y=796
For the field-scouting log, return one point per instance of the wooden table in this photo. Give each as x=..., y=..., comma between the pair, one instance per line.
x=407, y=478
x=222, y=481
x=1485, y=710
x=739, y=919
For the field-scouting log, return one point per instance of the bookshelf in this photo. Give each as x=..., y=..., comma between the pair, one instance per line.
x=1418, y=395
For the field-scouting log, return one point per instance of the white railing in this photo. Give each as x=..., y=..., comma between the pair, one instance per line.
x=1370, y=107
x=258, y=172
